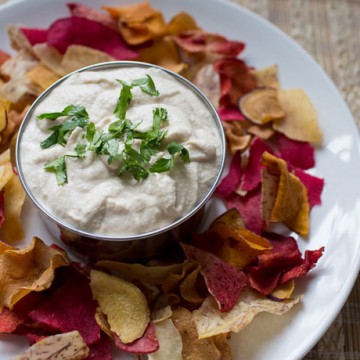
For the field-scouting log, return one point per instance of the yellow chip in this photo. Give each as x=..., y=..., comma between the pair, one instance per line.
x=301, y=120
x=237, y=141
x=267, y=77
x=4, y=108
x=78, y=56
x=261, y=106
x=284, y=291
x=25, y=270
x=14, y=197
x=151, y=275
x=170, y=343
x=189, y=290
x=42, y=76
x=123, y=304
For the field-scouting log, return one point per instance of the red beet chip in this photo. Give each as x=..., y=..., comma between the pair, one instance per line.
x=224, y=282
x=81, y=31
x=35, y=35
x=298, y=153
x=314, y=186
x=70, y=307
x=82, y=10
x=309, y=262
x=235, y=80
x=195, y=41
x=281, y=264
x=284, y=255
x=11, y=320
x=249, y=209
x=147, y=344
x=251, y=178
x=100, y=350
x=230, y=182
x=230, y=113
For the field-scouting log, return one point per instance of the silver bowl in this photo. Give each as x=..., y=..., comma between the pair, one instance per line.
x=126, y=248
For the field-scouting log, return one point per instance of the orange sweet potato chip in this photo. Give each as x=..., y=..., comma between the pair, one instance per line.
x=162, y=52
x=181, y=22
x=138, y=23
x=25, y=270
x=284, y=197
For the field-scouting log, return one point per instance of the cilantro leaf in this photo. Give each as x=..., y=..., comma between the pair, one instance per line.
x=146, y=85
x=174, y=148
x=58, y=167
x=80, y=150
x=123, y=101
x=78, y=117
x=70, y=110
x=162, y=165
x=136, y=170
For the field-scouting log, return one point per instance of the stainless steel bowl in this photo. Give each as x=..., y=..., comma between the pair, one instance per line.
x=129, y=248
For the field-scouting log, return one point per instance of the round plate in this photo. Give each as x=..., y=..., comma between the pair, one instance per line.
x=334, y=224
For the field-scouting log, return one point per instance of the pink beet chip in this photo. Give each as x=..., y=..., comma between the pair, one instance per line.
x=195, y=41
x=249, y=209
x=90, y=13
x=230, y=182
x=147, y=344
x=77, y=30
x=313, y=184
x=35, y=35
x=230, y=113
x=299, y=154
x=224, y=282
x=70, y=307
x=252, y=173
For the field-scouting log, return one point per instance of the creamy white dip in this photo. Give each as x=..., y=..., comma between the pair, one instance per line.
x=95, y=199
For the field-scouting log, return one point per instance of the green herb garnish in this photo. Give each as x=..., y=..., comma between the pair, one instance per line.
x=135, y=161
x=78, y=117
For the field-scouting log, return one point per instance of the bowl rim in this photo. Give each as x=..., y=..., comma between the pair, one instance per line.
x=107, y=66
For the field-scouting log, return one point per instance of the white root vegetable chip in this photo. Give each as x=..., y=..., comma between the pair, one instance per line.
x=209, y=321
x=67, y=346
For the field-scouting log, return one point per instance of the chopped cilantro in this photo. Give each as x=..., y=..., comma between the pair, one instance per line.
x=58, y=167
x=147, y=85
x=78, y=117
x=162, y=165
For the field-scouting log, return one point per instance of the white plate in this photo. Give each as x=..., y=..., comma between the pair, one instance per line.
x=334, y=224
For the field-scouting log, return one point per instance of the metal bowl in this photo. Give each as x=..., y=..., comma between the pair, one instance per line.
x=134, y=247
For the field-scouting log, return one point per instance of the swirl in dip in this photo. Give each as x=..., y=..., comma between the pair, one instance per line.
x=95, y=199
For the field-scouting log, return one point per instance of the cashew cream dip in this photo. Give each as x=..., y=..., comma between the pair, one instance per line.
x=95, y=199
